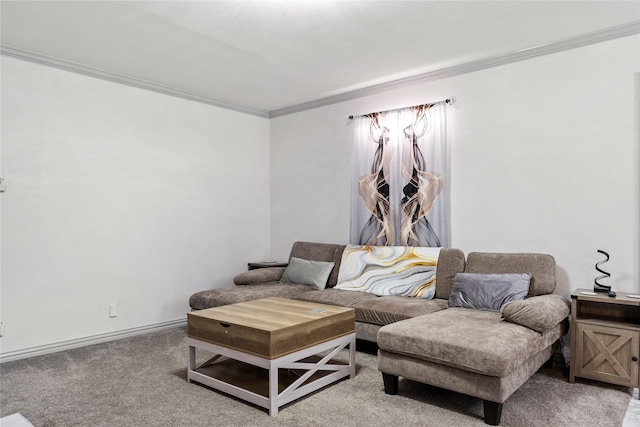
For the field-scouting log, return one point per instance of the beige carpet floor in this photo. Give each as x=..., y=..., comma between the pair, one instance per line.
x=141, y=381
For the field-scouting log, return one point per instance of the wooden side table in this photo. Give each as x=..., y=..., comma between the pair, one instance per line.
x=605, y=338
x=266, y=264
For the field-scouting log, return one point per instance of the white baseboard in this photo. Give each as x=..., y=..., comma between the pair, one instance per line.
x=90, y=340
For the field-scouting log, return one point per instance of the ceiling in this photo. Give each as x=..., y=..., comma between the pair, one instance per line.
x=264, y=56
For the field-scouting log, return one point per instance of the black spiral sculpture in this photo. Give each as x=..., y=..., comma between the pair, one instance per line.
x=598, y=287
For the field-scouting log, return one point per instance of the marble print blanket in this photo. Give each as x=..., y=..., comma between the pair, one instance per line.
x=389, y=270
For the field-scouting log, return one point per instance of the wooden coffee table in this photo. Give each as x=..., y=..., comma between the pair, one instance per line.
x=267, y=351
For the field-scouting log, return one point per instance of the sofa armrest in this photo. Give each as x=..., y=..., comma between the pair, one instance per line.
x=539, y=313
x=260, y=275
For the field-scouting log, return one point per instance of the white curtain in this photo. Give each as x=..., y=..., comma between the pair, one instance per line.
x=399, y=178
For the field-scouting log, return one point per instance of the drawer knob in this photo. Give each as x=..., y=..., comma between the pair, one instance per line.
x=634, y=358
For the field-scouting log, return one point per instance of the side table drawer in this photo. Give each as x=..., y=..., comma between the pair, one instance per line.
x=607, y=354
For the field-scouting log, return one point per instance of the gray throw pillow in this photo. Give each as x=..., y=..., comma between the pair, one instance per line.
x=305, y=272
x=488, y=291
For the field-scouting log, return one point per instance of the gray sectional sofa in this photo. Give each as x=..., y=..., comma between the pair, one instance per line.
x=481, y=353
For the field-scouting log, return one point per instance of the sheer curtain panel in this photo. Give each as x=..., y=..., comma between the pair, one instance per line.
x=399, y=178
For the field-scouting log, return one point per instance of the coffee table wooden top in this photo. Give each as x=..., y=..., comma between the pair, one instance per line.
x=271, y=327
x=271, y=314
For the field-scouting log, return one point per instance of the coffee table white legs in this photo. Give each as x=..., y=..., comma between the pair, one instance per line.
x=293, y=361
x=273, y=390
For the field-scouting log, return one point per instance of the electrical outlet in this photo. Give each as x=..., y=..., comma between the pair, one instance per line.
x=113, y=309
x=1, y=329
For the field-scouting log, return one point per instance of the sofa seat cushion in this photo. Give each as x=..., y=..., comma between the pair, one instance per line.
x=385, y=310
x=472, y=340
x=226, y=296
x=335, y=297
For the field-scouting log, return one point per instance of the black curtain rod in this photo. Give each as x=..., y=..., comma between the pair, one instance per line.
x=449, y=101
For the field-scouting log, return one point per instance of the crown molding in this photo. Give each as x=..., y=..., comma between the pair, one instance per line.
x=123, y=79
x=612, y=33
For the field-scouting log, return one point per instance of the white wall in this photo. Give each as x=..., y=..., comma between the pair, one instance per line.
x=544, y=158
x=120, y=195
x=117, y=194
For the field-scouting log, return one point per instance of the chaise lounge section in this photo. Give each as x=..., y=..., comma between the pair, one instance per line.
x=476, y=352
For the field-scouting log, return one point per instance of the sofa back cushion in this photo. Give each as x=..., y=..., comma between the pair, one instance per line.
x=450, y=263
x=541, y=267
x=327, y=252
